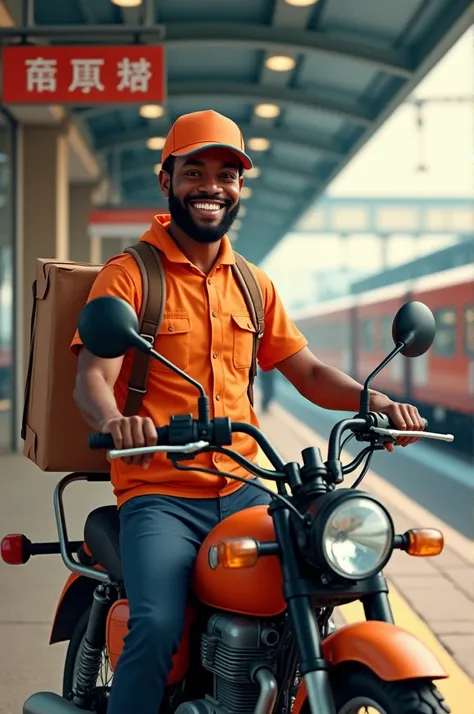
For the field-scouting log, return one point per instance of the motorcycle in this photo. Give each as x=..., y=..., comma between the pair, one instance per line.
x=257, y=637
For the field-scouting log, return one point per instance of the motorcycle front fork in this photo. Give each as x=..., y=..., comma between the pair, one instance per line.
x=91, y=652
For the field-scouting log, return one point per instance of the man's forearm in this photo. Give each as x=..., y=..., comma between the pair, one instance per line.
x=95, y=399
x=332, y=389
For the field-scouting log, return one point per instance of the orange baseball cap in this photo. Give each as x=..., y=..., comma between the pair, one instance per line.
x=202, y=130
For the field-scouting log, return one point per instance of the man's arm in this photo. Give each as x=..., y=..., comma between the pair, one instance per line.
x=320, y=383
x=96, y=377
x=330, y=388
x=94, y=391
x=94, y=396
x=283, y=346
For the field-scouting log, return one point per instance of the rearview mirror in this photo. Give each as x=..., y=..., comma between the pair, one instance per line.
x=415, y=326
x=108, y=327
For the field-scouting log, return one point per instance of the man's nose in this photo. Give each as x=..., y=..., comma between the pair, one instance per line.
x=211, y=186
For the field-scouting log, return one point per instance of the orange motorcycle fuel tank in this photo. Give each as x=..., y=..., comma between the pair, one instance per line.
x=117, y=629
x=256, y=591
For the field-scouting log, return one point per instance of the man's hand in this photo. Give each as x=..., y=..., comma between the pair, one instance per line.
x=132, y=432
x=402, y=416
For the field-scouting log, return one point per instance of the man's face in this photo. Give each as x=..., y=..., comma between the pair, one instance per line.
x=203, y=193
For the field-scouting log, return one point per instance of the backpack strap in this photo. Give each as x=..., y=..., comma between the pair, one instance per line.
x=151, y=316
x=252, y=293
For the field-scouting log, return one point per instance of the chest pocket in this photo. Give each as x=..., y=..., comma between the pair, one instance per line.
x=243, y=336
x=174, y=341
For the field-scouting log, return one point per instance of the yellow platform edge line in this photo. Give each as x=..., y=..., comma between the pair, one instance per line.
x=458, y=689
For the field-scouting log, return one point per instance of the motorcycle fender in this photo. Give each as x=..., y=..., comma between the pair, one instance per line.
x=75, y=598
x=390, y=652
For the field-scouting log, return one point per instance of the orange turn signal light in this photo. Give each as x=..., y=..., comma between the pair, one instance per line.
x=424, y=542
x=237, y=553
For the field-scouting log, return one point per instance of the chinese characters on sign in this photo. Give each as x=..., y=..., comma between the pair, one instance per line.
x=83, y=74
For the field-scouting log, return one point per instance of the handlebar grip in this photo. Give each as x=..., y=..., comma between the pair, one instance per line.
x=425, y=422
x=384, y=422
x=103, y=442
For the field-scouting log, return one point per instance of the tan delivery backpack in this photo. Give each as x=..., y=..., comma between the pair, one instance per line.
x=54, y=432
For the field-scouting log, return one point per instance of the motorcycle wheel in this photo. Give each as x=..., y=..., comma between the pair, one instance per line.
x=357, y=690
x=72, y=660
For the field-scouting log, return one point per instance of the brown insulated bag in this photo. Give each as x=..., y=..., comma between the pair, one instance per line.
x=54, y=432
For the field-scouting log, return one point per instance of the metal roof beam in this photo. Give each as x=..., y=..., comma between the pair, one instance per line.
x=248, y=36
x=256, y=93
x=126, y=141
x=286, y=39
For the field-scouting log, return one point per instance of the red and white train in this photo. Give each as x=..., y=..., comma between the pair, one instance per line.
x=354, y=334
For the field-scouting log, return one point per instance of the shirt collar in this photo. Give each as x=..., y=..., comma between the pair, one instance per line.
x=159, y=236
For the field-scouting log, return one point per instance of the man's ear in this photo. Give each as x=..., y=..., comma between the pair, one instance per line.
x=165, y=182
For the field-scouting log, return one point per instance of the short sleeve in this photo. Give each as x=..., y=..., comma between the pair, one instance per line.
x=117, y=280
x=281, y=338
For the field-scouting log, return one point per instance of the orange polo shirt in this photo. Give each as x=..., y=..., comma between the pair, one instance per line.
x=207, y=332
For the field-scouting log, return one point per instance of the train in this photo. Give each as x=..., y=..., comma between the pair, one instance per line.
x=354, y=334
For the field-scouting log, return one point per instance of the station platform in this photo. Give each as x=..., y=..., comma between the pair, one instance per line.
x=433, y=598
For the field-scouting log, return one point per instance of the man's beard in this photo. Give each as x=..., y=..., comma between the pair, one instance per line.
x=181, y=215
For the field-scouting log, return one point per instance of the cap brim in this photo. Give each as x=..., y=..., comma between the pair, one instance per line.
x=194, y=148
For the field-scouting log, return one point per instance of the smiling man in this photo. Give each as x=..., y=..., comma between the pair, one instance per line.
x=165, y=514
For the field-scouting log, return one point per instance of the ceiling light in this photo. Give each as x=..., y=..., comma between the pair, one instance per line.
x=151, y=111
x=157, y=168
x=301, y=3
x=237, y=224
x=267, y=111
x=253, y=173
x=127, y=3
x=156, y=143
x=242, y=211
x=280, y=63
x=258, y=144
x=232, y=236
x=245, y=192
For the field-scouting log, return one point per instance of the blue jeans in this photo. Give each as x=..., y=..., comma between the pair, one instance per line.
x=159, y=539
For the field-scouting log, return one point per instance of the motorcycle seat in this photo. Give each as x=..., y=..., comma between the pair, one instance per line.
x=101, y=534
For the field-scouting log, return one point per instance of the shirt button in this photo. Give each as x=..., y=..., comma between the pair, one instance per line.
x=217, y=458
x=209, y=282
x=214, y=314
x=218, y=397
x=171, y=328
x=215, y=355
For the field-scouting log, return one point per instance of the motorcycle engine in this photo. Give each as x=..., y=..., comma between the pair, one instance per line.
x=231, y=648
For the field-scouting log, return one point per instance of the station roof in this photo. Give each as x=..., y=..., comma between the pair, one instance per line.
x=352, y=63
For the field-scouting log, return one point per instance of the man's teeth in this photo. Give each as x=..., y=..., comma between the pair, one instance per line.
x=207, y=206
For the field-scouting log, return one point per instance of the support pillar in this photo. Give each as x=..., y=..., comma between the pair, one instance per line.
x=43, y=185
x=80, y=204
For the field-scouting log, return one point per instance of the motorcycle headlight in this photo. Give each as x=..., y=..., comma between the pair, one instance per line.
x=351, y=534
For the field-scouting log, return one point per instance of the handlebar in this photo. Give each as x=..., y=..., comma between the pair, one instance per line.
x=379, y=424
x=185, y=436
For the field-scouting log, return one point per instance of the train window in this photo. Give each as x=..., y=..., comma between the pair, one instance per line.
x=445, y=340
x=469, y=330
x=387, y=340
x=368, y=341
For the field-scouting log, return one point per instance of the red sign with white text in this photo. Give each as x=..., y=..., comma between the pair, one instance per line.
x=83, y=75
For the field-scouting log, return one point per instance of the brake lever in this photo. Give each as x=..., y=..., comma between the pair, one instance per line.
x=191, y=448
x=396, y=433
